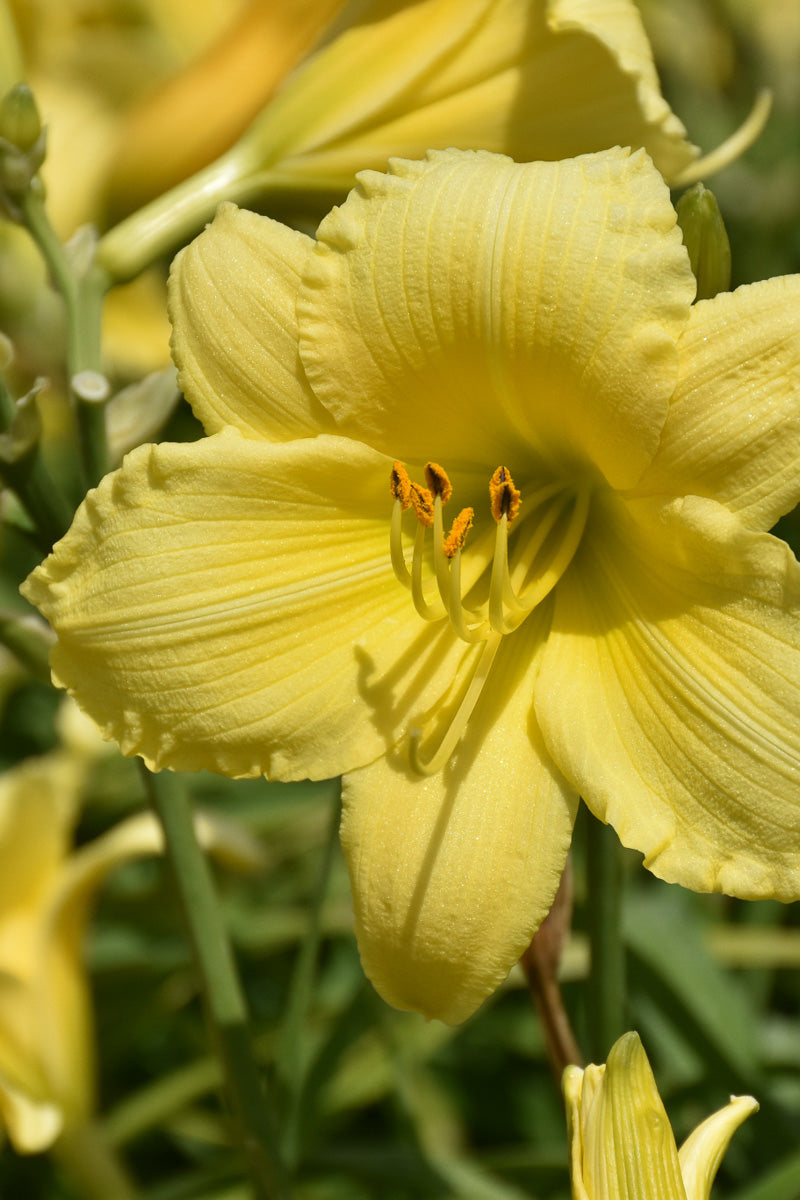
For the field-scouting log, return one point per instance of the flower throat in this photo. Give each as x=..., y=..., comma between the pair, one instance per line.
x=546, y=547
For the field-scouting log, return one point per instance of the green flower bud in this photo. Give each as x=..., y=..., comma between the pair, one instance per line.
x=706, y=240
x=20, y=123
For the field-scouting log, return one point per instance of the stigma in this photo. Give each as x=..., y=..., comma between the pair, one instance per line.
x=504, y=588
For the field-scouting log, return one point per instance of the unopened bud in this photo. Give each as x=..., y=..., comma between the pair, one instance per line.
x=706, y=240
x=20, y=123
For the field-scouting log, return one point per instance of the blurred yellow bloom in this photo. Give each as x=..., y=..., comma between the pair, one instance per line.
x=46, y=891
x=603, y=613
x=199, y=112
x=89, y=62
x=621, y=1144
x=537, y=79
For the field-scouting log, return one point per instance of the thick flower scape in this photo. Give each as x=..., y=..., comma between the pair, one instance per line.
x=480, y=523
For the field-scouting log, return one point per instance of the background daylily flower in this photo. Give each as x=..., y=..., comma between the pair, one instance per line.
x=529, y=78
x=621, y=1144
x=607, y=615
x=46, y=891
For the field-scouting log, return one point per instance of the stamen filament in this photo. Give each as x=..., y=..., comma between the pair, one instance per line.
x=503, y=621
x=396, y=545
x=440, y=564
x=430, y=612
x=456, y=728
x=458, y=613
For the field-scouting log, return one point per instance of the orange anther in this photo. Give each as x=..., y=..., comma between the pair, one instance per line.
x=438, y=481
x=458, y=532
x=504, y=495
x=401, y=485
x=422, y=501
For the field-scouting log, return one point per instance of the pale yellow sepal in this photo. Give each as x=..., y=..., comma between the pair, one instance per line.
x=733, y=428
x=236, y=285
x=621, y=1143
x=270, y=541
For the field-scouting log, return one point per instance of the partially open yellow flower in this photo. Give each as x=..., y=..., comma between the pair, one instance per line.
x=621, y=1143
x=480, y=523
x=46, y=891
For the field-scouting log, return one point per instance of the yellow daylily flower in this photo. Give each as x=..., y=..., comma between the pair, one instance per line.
x=46, y=890
x=530, y=78
x=621, y=1143
x=286, y=595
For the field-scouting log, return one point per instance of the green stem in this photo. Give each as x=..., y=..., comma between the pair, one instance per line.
x=291, y=1060
x=606, y=987
x=93, y=1166
x=171, y=220
x=83, y=299
x=220, y=981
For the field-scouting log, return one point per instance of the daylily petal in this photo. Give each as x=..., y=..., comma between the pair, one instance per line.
x=468, y=307
x=480, y=74
x=702, y=1152
x=38, y=808
x=232, y=300
x=733, y=429
x=230, y=604
x=32, y=1124
x=453, y=873
x=670, y=692
x=63, y=1009
x=622, y=1147
x=593, y=100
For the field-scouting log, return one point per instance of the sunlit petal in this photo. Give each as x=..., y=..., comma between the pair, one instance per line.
x=33, y=1124
x=453, y=873
x=733, y=430
x=232, y=303
x=472, y=74
x=470, y=308
x=702, y=1152
x=231, y=605
x=670, y=692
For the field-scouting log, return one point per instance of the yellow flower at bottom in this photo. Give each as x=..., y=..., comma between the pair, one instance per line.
x=46, y=892
x=621, y=1143
x=481, y=525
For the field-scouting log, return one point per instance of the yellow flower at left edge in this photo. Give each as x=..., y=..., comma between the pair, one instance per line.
x=47, y=1076
x=481, y=525
x=621, y=1143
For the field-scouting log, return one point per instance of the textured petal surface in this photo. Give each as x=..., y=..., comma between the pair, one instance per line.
x=473, y=74
x=670, y=693
x=629, y=1150
x=230, y=604
x=468, y=309
x=232, y=300
x=453, y=873
x=733, y=430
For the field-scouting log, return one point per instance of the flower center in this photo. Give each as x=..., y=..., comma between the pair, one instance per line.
x=547, y=535
x=548, y=526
